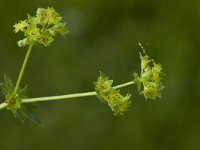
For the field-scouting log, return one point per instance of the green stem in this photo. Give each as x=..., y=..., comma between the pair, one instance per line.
x=68, y=96
x=23, y=68
x=124, y=85
x=50, y=98
x=3, y=105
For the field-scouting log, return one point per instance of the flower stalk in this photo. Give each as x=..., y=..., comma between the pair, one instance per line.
x=23, y=68
x=68, y=96
x=3, y=105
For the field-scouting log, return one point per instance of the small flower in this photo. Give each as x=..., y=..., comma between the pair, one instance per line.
x=33, y=20
x=118, y=103
x=157, y=71
x=32, y=33
x=103, y=86
x=59, y=28
x=20, y=26
x=151, y=93
x=45, y=39
x=144, y=61
x=13, y=102
x=53, y=16
x=48, y=16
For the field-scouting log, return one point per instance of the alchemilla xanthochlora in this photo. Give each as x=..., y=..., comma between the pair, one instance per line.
x=41, y=30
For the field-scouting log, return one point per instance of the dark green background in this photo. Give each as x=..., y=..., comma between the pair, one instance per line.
x=104, y=35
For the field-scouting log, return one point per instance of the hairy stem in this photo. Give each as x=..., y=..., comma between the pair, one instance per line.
x=23, y=68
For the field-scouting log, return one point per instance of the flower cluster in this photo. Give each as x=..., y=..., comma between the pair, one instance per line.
x=150, y=78
x=106, y=93
x=41, y=28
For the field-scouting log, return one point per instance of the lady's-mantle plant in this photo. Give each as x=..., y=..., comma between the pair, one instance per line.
x=41, y=30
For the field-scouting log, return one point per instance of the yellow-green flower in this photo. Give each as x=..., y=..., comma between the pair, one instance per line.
x=20, y=26
x=59, y=28
x=103, y=86
x=41, y=28
x=150, y=78
x=32, y=33
x=33, y=20
x=144, y=61
x=118, y=103
x=48, y=16
x=13, y=102
x=151, y=93
x=106, y=93
x=45, y=39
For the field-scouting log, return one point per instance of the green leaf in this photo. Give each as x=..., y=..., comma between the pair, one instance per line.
x=22, y=92
x=13, y=100
x=7, y=86
x=27, y=111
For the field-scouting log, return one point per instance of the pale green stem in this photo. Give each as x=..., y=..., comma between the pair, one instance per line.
x=23, y=68
x=124, y=85
x=51, y=98
x=3, y=105
x=68, y=96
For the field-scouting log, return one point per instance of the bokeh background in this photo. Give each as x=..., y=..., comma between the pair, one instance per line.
x=104, y=35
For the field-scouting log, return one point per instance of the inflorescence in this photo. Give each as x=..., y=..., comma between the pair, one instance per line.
x=40, y=30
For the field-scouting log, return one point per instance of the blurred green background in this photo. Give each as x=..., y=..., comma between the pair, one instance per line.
x=104, y=35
